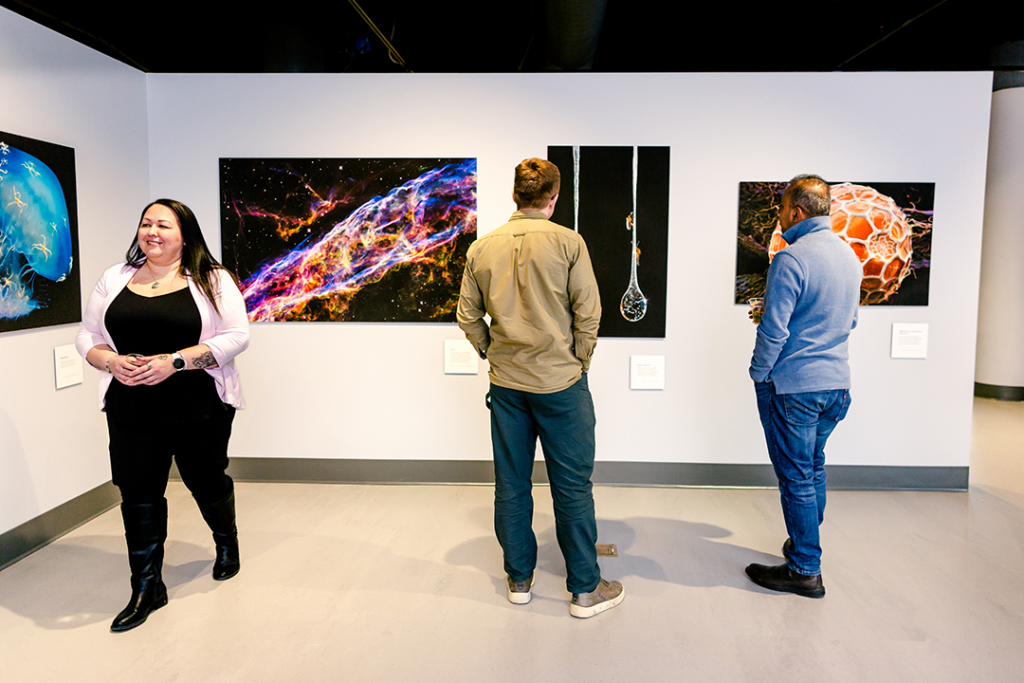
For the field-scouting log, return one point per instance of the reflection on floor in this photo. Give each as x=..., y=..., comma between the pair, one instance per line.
x=404, y=583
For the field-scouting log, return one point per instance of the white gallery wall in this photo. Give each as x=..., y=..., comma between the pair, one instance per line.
x=53, y=443
x=377, y=391
x=343, y=390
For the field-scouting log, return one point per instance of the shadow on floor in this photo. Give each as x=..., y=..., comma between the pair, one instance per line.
x=672, y=551
x=60, y=598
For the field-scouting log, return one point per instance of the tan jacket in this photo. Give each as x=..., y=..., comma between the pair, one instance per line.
x=535, y=280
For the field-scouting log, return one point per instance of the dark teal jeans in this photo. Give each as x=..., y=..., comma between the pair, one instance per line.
x=564, y=421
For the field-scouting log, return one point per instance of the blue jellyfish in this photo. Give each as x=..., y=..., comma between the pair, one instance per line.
x=35, y=235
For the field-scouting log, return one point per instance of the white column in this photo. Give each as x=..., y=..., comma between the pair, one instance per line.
x=999, y=368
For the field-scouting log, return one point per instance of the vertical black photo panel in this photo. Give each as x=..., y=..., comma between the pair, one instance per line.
x=603, y=179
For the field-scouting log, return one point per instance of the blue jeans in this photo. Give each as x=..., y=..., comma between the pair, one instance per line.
x=796, y=427
x=565, y=422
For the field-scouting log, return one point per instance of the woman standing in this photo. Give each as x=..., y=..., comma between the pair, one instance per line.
x=165, y=328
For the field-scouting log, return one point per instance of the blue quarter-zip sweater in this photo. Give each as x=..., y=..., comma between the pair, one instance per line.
x=810, y=307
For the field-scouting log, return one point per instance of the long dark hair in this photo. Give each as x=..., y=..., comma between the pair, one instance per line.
x=196, y=259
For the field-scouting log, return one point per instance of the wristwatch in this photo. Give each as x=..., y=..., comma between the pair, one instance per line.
x=178, y=361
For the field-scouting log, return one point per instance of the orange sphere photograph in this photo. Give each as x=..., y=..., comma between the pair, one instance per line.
x=888, y=226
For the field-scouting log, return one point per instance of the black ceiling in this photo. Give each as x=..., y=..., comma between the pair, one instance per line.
x=190, y=36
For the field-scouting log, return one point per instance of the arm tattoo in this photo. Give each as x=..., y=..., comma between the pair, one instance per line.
x=205, y=360
x=162, y=356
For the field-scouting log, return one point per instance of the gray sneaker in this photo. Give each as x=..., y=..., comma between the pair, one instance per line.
x=519, y=591
x=607, y=595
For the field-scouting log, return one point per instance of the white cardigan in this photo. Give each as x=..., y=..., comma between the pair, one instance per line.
x=227, y=334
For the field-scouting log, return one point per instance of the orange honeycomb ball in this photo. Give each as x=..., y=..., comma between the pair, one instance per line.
x=878, y=232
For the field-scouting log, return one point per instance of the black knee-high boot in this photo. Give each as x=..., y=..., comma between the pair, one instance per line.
x=145, y=529
x=220, y=517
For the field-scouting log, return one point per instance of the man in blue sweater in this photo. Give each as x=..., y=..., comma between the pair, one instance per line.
x=801, y=372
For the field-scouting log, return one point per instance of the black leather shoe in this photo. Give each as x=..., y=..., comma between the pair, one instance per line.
x=782, y=578
x=220, y=517
x=787, y=547
x=227, y=563
x=145, y=530
x=148, y=595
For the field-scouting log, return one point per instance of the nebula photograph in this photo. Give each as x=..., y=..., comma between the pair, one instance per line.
x=348, y=240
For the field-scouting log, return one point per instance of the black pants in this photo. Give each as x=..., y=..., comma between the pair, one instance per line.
x=142, y=447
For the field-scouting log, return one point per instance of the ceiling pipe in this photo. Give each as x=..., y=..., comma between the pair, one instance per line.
x=571, y=32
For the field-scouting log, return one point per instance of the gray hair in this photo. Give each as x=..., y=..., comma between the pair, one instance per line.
x=810, y=193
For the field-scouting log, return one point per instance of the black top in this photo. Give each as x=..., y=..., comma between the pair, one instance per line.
x=153, y=325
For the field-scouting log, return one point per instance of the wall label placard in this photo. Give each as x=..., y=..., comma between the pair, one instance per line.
x=460, y=358
x=67, y=366
x=909, y=340
x=647, y=373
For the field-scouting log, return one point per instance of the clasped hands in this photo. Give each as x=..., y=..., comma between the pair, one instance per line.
x=134, y=369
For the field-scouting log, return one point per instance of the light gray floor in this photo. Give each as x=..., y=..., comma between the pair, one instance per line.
x=404, y=583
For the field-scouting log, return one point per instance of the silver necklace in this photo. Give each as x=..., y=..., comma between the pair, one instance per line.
x=156, y=280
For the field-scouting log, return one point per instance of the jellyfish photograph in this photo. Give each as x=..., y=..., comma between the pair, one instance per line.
x=617, y=199
x=39, y=282
x=888, y=226
x=348, y=240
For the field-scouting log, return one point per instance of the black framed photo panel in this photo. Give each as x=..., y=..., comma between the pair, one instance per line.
x=888, y=225
x=40, y=283
x=603, y=190
x=348, y=240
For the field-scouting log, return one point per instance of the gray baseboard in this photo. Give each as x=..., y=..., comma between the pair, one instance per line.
x=37, y=532
x=876, y=478
x=840, y=477
x=349, y=471
x=999, y=392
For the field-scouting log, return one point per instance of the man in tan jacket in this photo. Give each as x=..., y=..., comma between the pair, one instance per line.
x=534, y=279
